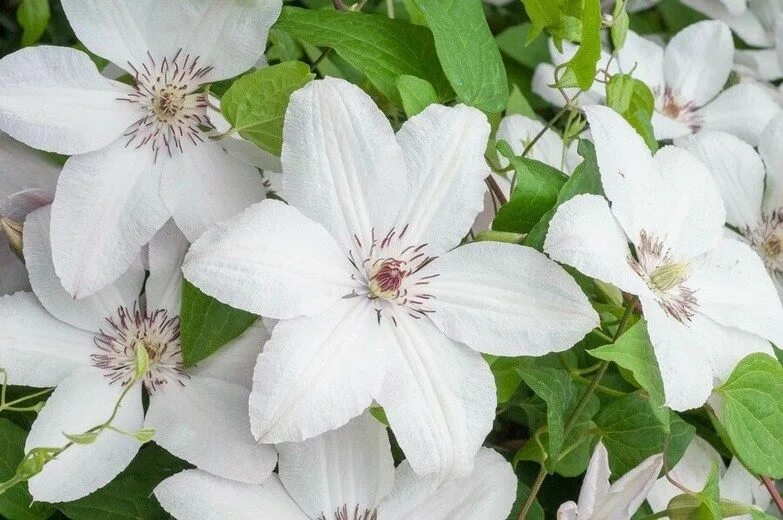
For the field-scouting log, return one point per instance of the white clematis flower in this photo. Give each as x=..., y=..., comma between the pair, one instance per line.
x=755, y=214
x=694, y=468
x=27, y=181
x=756, y=22
x=375, y=303
x=345, y=474
x=707, y=300
x=86, y=349
x=686, y=79
x=141, y=153
x=601, y=500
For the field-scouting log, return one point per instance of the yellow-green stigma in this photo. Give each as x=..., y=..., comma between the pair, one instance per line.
x=668, y=276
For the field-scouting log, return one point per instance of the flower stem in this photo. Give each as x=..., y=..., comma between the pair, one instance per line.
x=773, y=491
x=495, y=188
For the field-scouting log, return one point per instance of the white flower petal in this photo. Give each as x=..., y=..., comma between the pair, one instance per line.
x=270, y=260
x=772, y=154
x=106, y=208
x=691, y=471
x=683, y=355
x=342, y=165
x=82, y=401
x=88, y=313
x=575, y=229
x=204, y=185
x=196, y=495
x=54, y=99
x=742, y=110
x=22, y=203
x=507, y=300
x=595, y=486
x=37, y=349
x=746, y=24
x=568, y=511
x=439, y=398
x=167, y=250
x=684, y=208
x=317, y=373
x=665, y=127
x=729, y=346
x=737, y=171
x=643, y=59
x=739, y=485
x=235, y=360
x=13, y=273
x=22, y=168
x=444, y=157
x=487, y=493
x=543, y=77
x=629, y=491
x=205, y=422
x=698, y=61
x=627, y=176
x=518, y=130
x=734, y=289
x=350, y=467
x=761, y=64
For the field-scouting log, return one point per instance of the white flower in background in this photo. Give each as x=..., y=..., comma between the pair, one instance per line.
x=141, y=153
x=755, y=214
x=345, y=474
x=86, y=349
x=27, y=181
x=601, y=500
x=692, y=471
x=707, y=300
x=519, y=131
x=687, y=78
x=756, y=22
x=544, y=76
x=376, y=302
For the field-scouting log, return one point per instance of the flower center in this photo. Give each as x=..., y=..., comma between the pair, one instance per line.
x=666, y=277
x=670, y=104
x=389, y=274
x=766, y=238
x=343, y=513
x=157, y=332
x=172, y=115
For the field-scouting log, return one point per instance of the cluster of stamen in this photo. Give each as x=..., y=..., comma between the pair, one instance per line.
x=666, y=277
x=766, y=239
x=343, y=513
x=670, y=104
x=172, y=115
x=388, y=272
x=156, y=331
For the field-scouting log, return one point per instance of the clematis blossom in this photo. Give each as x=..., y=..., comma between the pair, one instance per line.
x=86, y=348
x=707, y=299
x=754, y=212
x=141, y=153
x=690, y=98
x=692, y=471
x=600, y=499
x=376, y=303
x=27, y=181
x=345, y=474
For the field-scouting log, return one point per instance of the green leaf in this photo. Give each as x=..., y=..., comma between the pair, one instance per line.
x=16, y=503
x=207, y=324
x=536, y=512
x=585, y=179
x=585, y=61
x=535, y=193
x=129, y=496
x=633, y=351
x=507, y=376
x=631, y=432
x=511, y=42
x=255, y=104
x=620, y=24
x=33, y=16
x=416, y=94
x=753, y=413
x=381, y=48
x=518, y=104
x=554, y=387
x=468, y=53
x=632, y=99
x=543, y=14
x=704, y=505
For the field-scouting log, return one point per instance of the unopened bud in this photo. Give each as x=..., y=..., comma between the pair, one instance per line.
x=13, y=231
x=141, y=360
x=33, y=463
x=82, y=438
x=144, y=435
